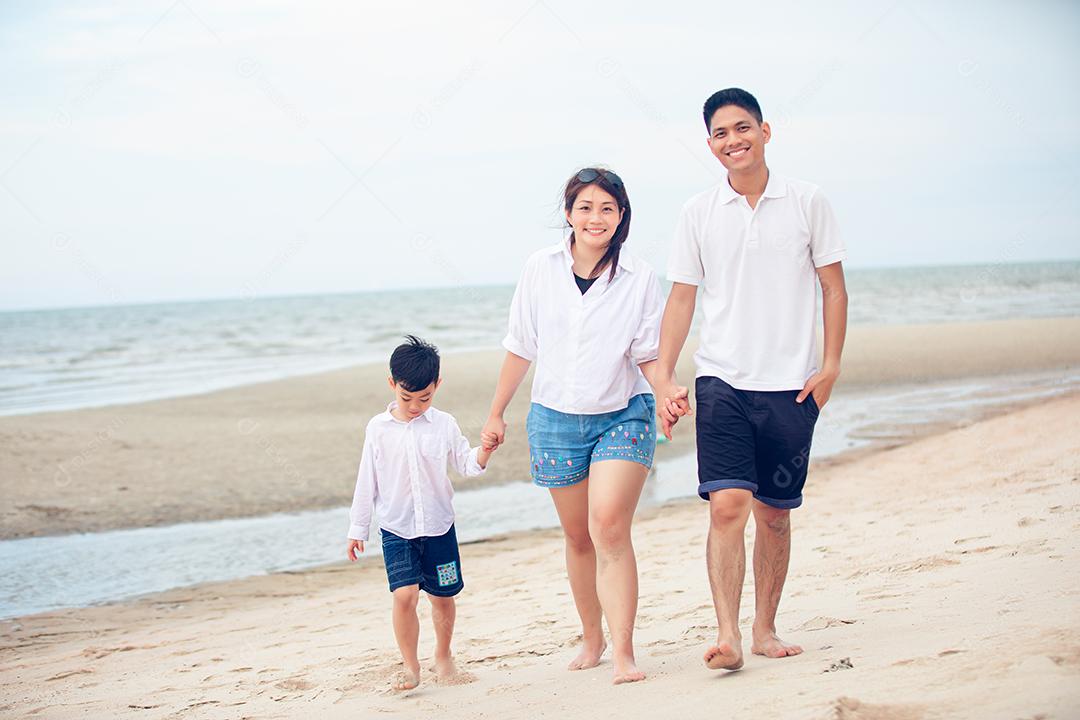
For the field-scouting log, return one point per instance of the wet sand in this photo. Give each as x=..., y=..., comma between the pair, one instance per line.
x=294, y=444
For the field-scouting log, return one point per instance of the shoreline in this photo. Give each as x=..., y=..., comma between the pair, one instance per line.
x=312, y=537
x=294, y=444
x=975, y=599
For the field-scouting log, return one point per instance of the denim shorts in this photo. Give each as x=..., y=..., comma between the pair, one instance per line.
x=753, y=440
x=562, y=446
x=433, y=563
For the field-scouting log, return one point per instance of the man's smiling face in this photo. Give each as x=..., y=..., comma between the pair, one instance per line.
x=737, y=139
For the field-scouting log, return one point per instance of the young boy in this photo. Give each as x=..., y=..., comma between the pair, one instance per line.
x=756, y=244
x=403, y=473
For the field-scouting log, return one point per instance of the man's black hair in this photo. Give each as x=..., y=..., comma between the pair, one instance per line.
x=415, y=364
x=731, y=96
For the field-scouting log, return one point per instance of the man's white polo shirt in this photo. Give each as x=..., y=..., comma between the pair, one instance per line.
x=756, y=267
x=587, y=348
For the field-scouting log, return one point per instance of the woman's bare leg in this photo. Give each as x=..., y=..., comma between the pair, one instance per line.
x=614, y=489
x=572, y=504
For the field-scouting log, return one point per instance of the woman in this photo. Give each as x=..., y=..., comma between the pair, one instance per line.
x=588, y=314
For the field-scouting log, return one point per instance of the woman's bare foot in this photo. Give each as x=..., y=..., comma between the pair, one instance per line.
x=407, y=679
x=769, y=645
x=626, y=671
x=724, y=655
x=589, y=657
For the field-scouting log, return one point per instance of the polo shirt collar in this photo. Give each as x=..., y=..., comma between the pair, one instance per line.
x=775, y=187
x=389, y=417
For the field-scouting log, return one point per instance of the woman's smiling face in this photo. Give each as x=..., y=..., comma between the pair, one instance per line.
x=594, y=217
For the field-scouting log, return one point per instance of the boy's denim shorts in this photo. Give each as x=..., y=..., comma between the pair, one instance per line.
x=562, y=446
x=433, y=563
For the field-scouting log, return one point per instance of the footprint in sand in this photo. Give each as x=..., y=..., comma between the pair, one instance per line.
x=846, y=708
x=294, y=684
x=822, y=622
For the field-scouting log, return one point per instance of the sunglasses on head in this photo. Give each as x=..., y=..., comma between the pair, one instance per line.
x=589, y=175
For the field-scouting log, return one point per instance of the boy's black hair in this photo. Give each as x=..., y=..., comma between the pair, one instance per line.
x=414, y=365
x=731, y=96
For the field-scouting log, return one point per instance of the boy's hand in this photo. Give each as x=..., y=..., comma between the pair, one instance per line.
x=489, y=442
x=355, y=545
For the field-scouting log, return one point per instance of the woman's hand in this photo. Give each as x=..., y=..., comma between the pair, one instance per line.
x=493, y=433
x=672, y=402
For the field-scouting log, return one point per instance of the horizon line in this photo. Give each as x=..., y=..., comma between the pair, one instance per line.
x=313, y=294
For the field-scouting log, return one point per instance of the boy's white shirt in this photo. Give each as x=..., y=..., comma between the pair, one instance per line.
x=403, y=474
x=756, y=267
x=586, y=347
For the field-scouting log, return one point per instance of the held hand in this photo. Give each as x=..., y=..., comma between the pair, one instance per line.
x=674, y=403
x=355, y=545
x=820, y=385
x=494, y=432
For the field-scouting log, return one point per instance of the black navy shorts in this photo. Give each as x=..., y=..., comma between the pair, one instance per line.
x=753, y=440
x=433, y=563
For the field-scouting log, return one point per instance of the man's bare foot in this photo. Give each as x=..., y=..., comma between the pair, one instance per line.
x=589, y=657
x=724, y=655
x=447, y=673
x=407, y=679
x=770, y=645
x=626, y=671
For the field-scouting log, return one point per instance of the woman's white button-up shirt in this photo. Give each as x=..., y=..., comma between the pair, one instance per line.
x=586, y=348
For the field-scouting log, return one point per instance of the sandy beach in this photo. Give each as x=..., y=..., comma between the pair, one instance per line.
x=934, y=580
x=294, y=444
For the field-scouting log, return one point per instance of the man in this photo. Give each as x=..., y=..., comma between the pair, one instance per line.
x=754, y=244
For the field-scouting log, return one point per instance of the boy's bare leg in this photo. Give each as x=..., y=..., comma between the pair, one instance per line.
x=772, y=551
x=725, y=556
x=614, y=489
x=407, y=634
x=572, y=504
x=443, y=615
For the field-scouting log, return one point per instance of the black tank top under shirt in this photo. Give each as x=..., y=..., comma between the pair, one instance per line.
x=583, y=284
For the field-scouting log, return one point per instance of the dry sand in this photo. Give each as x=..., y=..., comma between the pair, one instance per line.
x=935, y=580
x=294, y=444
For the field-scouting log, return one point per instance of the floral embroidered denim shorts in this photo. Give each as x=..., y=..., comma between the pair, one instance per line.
x=562, y=446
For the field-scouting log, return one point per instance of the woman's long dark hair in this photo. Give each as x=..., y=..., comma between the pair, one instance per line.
x=617, y=190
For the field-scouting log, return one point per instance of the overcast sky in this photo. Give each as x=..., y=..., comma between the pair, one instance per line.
x=189, y=149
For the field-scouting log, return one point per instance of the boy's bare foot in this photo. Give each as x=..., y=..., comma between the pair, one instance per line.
x=406, y=680
x=589, y=657
x=769, y=645
x=724, y=655
x=626, y=671
x=447, y=673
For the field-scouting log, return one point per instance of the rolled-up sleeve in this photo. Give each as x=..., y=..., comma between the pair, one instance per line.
x=364, y=495
x=463, y=457
x=521, y=330
x=826, y=245
x=646, y=343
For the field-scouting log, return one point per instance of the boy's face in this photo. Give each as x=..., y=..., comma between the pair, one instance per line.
x=737, y=139
x=413, y=404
